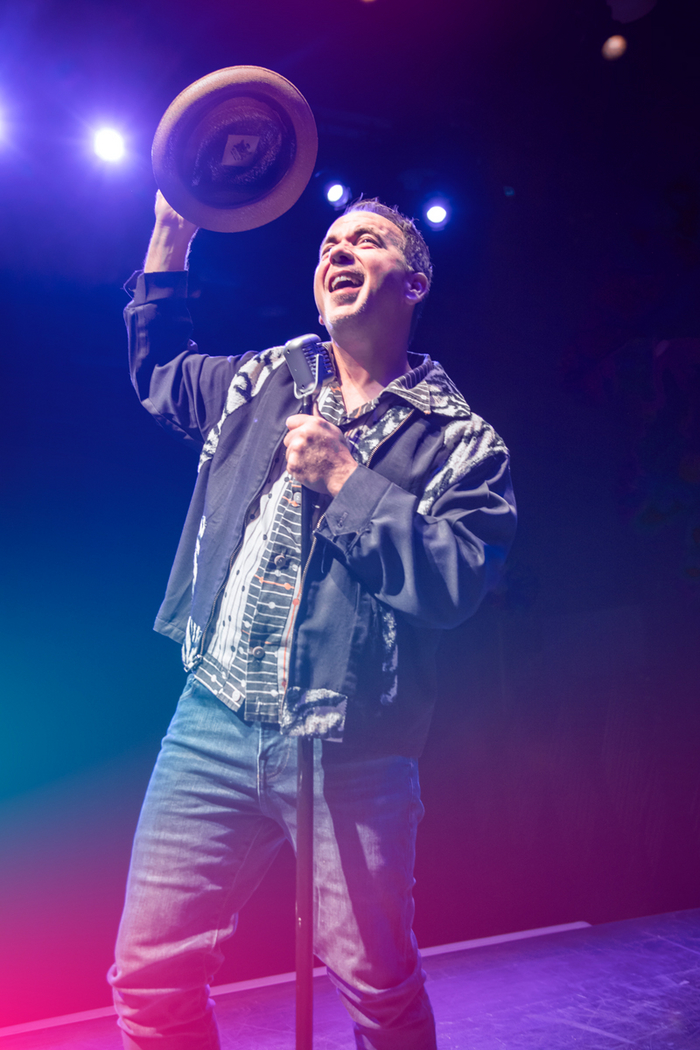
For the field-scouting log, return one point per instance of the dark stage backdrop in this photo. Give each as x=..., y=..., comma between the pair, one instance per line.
x=561, y=777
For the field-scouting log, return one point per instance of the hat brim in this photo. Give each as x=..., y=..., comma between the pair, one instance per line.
x=208, y=104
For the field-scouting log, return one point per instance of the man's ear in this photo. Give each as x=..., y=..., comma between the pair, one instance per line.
x=321, y=321
x=416, y=287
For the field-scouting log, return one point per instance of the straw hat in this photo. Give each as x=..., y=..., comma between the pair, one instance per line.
x=235, y=149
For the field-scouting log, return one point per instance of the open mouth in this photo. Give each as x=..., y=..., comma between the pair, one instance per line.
x=342, y=281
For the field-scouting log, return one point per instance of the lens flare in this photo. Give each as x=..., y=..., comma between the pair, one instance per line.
x=109, y=144
x=614, y=47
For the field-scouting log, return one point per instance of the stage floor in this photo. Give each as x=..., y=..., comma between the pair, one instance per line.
x=632, y=985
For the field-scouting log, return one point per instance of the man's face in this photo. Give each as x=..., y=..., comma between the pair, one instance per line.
x=362, y=273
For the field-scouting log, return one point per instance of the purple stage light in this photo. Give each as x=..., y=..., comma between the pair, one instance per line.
x=437, y=213
x=109, y=145
x=337, y=194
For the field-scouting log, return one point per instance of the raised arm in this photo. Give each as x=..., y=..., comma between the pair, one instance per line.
x=170, y=240
x=183, y=389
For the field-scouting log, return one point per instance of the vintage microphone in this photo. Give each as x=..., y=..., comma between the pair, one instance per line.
x=309, y=363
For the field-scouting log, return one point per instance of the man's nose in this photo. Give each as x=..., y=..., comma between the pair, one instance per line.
x=342, y=253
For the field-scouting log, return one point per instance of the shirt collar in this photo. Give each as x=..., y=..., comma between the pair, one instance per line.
x=425, y=387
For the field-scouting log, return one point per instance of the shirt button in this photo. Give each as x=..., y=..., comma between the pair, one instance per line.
x=258, y=652
x=281, y=561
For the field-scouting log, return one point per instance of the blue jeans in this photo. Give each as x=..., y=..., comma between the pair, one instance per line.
x=219, y=805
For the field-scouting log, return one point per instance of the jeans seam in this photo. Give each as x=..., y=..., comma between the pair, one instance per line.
x=276, y=774
x=231, y=889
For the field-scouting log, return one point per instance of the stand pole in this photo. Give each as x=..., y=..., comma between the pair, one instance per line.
x=305, y=837
x=305, y=893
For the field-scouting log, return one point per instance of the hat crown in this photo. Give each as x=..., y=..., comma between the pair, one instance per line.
x=235, y=149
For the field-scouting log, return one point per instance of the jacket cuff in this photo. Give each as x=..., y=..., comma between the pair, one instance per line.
x=350, y=513
x=149, y=287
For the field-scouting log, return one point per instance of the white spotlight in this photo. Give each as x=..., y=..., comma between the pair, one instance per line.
x=108, y=144
x=437, y=213
x=337, y=194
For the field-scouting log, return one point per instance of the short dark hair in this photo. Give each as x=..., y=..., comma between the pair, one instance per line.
x=415, y=250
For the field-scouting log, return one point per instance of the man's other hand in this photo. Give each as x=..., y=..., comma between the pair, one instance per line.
x=170, y=239
x=317, y=454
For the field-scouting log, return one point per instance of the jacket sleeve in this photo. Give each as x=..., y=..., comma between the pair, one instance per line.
x=434, y=568
x=183, y=389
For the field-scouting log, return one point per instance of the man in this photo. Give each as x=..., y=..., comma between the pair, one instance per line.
x=414, y=515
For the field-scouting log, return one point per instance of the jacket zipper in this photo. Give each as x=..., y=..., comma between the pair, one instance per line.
x=294, y=627
x=215, y=605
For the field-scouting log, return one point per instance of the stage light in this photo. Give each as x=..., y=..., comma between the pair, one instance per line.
x=437, y=213
x=109, y=144
x=614, y=47
x=337, y=194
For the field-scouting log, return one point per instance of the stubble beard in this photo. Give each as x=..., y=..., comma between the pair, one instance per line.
x=348, y=321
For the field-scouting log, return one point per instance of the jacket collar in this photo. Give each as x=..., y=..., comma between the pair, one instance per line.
x=428, y=388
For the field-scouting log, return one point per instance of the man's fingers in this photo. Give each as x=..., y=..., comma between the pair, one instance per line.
x=303, y=417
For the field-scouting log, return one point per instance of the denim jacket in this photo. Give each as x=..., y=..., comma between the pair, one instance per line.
x=407, y=549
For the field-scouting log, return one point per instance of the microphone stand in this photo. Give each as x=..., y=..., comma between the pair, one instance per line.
x=309, y=364
x=304, y=949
